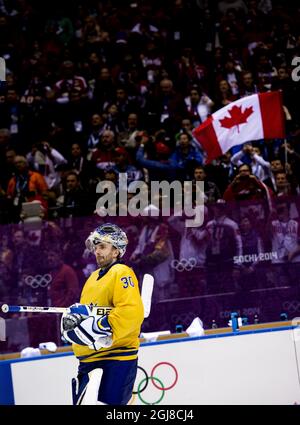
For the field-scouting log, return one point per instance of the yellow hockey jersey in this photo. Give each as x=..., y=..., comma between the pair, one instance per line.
x=115, y=287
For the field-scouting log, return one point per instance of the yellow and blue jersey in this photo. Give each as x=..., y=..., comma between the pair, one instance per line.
x=115, y=287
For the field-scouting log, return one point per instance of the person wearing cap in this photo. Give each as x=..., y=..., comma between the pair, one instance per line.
x=121, y=159
x=160, y=168
x=109, y=339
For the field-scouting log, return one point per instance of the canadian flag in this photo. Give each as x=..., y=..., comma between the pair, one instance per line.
x=255, y=117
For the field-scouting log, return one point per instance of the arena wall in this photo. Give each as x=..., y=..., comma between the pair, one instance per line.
x=248, y=367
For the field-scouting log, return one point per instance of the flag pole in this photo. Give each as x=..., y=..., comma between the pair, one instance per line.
x=285, y=155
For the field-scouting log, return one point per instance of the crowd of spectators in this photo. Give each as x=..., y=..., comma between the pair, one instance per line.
x=99, y=88
x=105, y=87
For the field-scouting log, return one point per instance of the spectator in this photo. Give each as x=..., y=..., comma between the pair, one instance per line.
x=25, y=186
x=46, y=159
x=248, y=87
x=69, y=83
x=222, y=171
x=26, y=262
x=211, y=190
x=122, y=165
x=7, y=279
x=224, y=95
x=91, y=32
x=4, y=145
x=64, y=288
x=186, y=157
x=252, y=245
x=154, y=253
x=124, y=103
x=160, y=168
x=193, y=245
x=104, y=153
x=6, y=253
x=113, y=118
x=79, y=164
x=232, y=76
x=223, y=244
x=8, y=167
x=104, y=89
x=168, y=107
x=98, y=128
x=75, y=201
x=285, y=83
x=11, y=114
x=276, y=166
x=199, y=106
x=265, y=70
x=245, y=186
x=251, y=155
x=284, y=233
x=127, y=137
x=186, y=126
x=283, y=186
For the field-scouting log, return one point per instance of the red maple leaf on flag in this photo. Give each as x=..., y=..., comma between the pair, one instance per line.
x=237, y=117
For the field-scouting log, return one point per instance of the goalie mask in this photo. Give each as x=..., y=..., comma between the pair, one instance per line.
x=110, y=233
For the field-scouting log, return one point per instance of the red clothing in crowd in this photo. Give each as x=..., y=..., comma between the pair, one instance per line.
x=64, y=288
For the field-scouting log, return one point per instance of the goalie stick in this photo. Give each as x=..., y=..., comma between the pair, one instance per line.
x=147, y=289
x=33, y=309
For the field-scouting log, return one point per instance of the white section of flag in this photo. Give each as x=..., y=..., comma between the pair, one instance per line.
x=252, y=129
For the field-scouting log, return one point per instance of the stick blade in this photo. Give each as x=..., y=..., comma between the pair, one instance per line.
x=147, y=289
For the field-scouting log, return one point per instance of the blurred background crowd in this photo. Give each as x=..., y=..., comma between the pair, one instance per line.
x=98, y=88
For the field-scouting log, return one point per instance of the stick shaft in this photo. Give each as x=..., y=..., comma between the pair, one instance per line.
x=97, y=310
x=31, y=309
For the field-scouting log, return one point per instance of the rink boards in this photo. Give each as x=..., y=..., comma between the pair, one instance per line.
x=249, y=367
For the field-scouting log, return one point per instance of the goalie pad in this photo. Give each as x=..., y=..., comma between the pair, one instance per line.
x=86, y=392
x=95, y=332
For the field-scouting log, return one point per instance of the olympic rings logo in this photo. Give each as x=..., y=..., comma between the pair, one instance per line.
x=38, y=280
x=156, y=382
x=291, y=306
x=183, y=318
x=184, y=264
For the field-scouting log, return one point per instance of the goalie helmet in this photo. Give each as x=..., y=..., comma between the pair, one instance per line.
x=110, y=233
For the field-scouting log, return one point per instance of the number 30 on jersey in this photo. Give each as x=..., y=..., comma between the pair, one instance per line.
x=127, y=281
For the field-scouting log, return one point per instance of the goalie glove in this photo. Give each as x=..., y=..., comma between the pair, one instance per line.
x=95, y=332
x=69, y=321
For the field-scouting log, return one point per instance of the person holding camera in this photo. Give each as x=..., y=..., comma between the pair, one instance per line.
x=245, y=186
x=252, y=155
x=25, y=186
